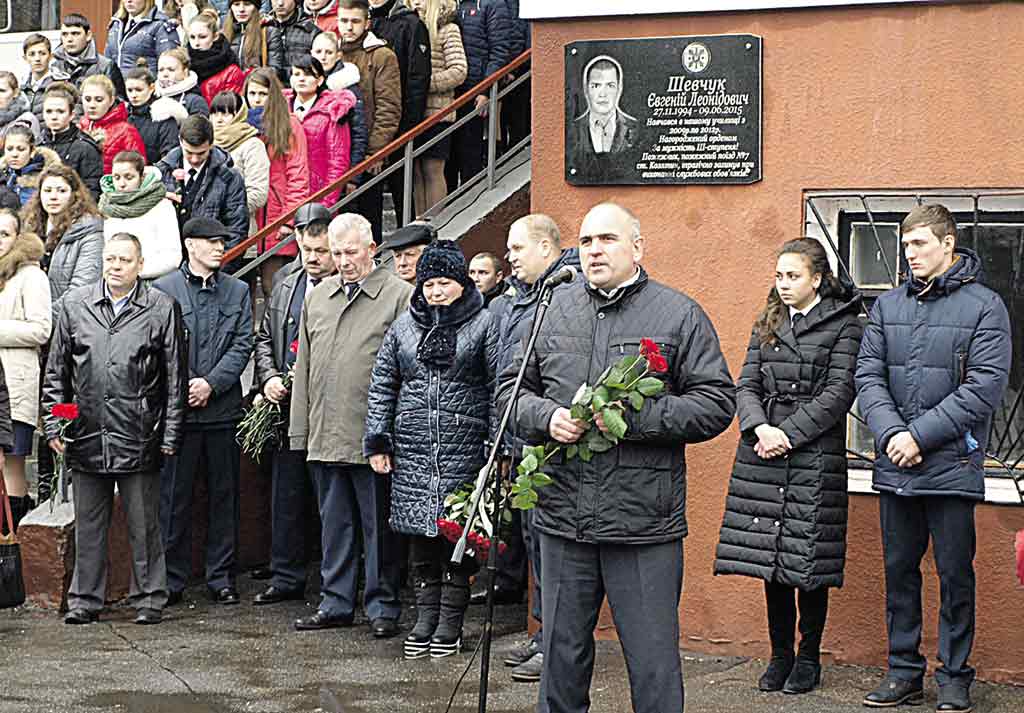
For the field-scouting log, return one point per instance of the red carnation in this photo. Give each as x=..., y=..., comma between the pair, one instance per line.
x=650, y=351
x=65, y=411
x=294, y=347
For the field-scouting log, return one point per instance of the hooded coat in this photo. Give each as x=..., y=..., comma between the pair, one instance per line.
x=149, y=37
x=381, y=84
x=935, y=362
x=785, y=518
x=156, y=229
x=328, y=139
x=180, y=100
x=346, y=76
x=77, y=258
x=159, y=136
x=114, y=134
x=434, y=422
x=25, y=321
x=79, y=151
x=249, y=156
x=24, y=181
x=406, y=34
x=75, y=68
x=288, y=186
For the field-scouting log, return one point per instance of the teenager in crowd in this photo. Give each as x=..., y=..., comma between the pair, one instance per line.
x=248, y=37
x=25, y=321
x=323, y=12
x=106, y=120
x=180, y=14
x=344, y=75
x=23, y=162
x=137, y=34
x=38, y=54
x=135, y=201
x=77, y=58
x=289, y=26
x=15, y=107
x=785, y=516
x=61, y=135
x=178, y=88
x=285, y=140
x=159, y=135
x=241, y=140
x=213, y=61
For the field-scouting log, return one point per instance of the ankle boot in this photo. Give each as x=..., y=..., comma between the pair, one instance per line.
x=806, y=673
x=428, y=610
x=447, y=638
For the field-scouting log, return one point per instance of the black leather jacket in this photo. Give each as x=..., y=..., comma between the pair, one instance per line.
x=271, y=344
x=126, y=373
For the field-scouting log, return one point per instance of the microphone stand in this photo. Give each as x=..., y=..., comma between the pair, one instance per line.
x=499, y=505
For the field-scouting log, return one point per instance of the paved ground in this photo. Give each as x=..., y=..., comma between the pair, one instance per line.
x=208, y=659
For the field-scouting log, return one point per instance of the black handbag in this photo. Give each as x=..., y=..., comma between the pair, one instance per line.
x=12, y=583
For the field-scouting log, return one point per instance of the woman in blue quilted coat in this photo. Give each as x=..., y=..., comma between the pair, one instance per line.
x=430, y=414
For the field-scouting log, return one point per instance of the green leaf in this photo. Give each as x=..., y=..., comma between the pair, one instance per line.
x=541, y=479
x=583, y=395
x=571, y=451
x=523, y=481
x=614, y=421
x=604, y=375
x=585, y=453
x=628, y=363
x=521, y=502
x=636, y=400
x=615, y=376
x=597, y=442
x=529, y=463
x=506, y=516
x=600, y=399
x=650, y=385
x=579, y=412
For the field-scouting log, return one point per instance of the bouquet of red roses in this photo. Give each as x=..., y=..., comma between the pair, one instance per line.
x=65, y=414
x=480, y=537
x=264, y=422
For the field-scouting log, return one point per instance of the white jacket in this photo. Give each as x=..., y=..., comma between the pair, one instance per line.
x=25, y=322
x=158, y=232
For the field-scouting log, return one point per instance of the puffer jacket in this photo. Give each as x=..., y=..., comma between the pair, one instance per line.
x=77, y=259
x=785, y=518
x=435, y=422
x=19, y=111
x=220, y=194
x=406, y=34
x=150, y=36
x=288, y=187
x=180, y=101
x=487, y=37
x=79, y=151
x=346, y=76
x=271, y=53
x=114, y=134
x=381, y=84
x=159, y=136
x=251, y=160
x=326, y=18
x=217, y=317
x=24, y=181
x=156, y=229
x=935, y=362
x=328, y=139
x=520, y=29
x=295, y=35
x=75, y=68
x=126, y=373
x=229, y=79
x=448, y=66
x=634, y=493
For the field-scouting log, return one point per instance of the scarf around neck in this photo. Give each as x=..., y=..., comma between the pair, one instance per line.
x=179, y=88
x=131, y=204
x=438, y=344
x=255, y=119
x=206, y=63
x=236, y=133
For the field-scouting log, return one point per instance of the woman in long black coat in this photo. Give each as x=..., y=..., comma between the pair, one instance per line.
x=430, y=412
x=785, y=515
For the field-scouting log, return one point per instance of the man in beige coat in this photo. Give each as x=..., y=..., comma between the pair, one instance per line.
x=343, y=324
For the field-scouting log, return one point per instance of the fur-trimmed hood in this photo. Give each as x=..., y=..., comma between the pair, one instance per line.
x=335, y=104
x=344, y=77
x=30, y=179
x=27, y=250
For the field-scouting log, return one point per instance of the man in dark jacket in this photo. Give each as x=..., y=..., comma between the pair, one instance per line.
x=77, y=58
x=118, y=352
x=275, y=352
x=933, y=366
x=288, y=25
x=204, y=180
x=614, y=525
x=218, y=323
x=76, y=148
x=487, y=273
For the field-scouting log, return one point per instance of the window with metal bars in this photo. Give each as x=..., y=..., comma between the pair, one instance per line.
x=862, y=230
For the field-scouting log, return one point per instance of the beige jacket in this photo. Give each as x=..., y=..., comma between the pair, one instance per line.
x=448, y=68
x=25, y=321
x=338, y=344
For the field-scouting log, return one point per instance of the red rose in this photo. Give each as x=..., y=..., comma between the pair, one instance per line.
x=294, y=347
x=65, y=411
x=650, y=351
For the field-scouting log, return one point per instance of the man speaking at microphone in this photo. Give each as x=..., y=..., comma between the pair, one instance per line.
x=614, y=526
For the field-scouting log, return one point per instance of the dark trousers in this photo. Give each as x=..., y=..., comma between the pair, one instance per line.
x=94, y=503
x=643, y=584
x=370, y=205
x=511, y=575
x=430, y=559
x=907, y=524
x=515, y=114
x=353, y=500
x=531, y=545
x=215, y=453
x=290, y=488
x=467, y=155
x=782, y=604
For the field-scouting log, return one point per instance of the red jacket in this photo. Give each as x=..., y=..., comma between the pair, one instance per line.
x=329, y=139
x=289, y=186
x=229, y=79
x=326, y=19
x=114, y=134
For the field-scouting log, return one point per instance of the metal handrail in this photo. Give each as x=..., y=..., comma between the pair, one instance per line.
x=404, y=142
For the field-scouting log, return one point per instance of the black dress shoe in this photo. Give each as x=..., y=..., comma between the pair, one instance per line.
x=954, y=698
x=174, y=598
x=81, y=616
x=501, y=596
x=225, y=595
x=894, y=692
x=261, y=573
x=804, y=678
x=273, y=595
x=149, y=616
x=320, y=620
x=384, y=627
x=774, y=677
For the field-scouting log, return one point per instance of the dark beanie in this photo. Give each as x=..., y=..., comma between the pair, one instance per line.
x=442, y=258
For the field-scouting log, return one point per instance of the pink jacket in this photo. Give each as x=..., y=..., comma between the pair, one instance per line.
x=328, y=138
x=289, y=186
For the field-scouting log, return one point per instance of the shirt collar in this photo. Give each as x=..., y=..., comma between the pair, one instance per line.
x=608, y=294
x=793, y=310
x=185, y=164
x=598, y=123
x=117, y=303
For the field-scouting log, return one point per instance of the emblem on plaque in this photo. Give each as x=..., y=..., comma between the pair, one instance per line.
x=696, y=57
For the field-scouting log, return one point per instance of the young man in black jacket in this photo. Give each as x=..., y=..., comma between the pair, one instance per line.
x=296, y=32
x=77, y=58
x=76, y=148
x=218, y=323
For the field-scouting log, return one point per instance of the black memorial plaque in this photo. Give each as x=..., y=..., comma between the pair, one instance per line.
x=663, y=110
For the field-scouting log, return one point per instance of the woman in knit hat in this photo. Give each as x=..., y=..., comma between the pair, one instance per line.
x=431, y=409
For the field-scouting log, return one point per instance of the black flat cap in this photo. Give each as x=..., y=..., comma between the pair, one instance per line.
x=311, y=213
x=207, y=228
x=412, y=234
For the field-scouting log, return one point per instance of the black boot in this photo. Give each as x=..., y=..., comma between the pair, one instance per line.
x=806, y=674
x=447, y=638
x=428, y=610
x=781, y=626
x=20, y=507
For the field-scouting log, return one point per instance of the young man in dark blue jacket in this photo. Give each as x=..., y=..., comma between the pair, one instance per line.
x=218, y=325
x=933, y=366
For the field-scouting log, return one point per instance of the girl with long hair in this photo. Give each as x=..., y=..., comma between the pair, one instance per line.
x=65, y=216
x=178, y=88
x=106, y=120
x=135, y=201
x=213, y=60
x=25, y=321
x=61, y=135
x=247, y=35
x=15, y=108
x=22, y=163
x=241, y=140
x=785, y=515
x=285, y=140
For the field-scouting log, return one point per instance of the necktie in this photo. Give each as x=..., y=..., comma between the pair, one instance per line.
x=798, y=319
x=350, y=289
x=191, y=180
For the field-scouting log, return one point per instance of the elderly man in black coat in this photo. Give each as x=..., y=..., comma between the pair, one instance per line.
x=118, y=352
x=615, y=525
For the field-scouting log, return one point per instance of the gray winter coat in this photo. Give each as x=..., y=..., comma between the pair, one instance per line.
x=150, y=36
x=77, y=259
x=435, y=422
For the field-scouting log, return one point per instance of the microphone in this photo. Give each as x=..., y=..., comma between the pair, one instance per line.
x=566, y=274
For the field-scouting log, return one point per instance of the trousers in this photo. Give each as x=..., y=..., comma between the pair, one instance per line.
x=290, y=488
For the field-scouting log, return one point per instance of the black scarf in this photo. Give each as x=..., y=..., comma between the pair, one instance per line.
x=441, y=324
x=206, y=63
